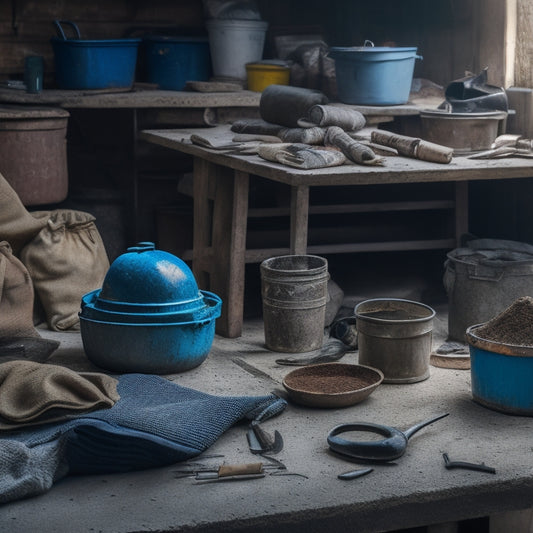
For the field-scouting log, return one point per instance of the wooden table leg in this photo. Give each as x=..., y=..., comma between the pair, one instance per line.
x=299, y=219
x=203, y=172
x=230, y=215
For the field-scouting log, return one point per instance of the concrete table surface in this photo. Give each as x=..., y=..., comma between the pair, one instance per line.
x=415, y=490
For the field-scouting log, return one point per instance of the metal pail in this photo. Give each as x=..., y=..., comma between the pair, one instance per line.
x=395, y=336
x=295, y=292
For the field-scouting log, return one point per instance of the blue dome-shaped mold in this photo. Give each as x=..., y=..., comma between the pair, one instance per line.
x=144, y=275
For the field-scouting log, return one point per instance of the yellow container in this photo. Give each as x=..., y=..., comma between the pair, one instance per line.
x=261, y=75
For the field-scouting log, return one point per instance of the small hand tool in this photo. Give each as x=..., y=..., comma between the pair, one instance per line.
x=226, y=472
x=391, y=447
x=260, y=442
x=232, y=473
x=468, y=466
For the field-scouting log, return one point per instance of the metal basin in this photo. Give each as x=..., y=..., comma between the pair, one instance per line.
x=464, y=132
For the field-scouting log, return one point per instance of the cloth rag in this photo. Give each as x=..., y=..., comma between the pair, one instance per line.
x=300, y=155
x=35, y=393
x=154, y=423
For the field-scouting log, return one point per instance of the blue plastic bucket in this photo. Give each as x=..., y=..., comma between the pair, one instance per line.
x=501, y=374
x=374, y=75
x=172, y=61
x=95, y=64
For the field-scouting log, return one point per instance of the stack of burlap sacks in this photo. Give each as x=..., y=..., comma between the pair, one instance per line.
x=48, y=260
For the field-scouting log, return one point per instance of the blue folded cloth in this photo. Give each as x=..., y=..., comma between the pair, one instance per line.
x=156, y=422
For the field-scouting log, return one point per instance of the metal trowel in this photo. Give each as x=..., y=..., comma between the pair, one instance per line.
x=261, y=442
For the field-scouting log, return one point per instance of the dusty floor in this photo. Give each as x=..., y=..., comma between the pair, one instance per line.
x=387, y=500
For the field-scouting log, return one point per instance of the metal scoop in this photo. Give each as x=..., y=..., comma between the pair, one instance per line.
x=391, y=447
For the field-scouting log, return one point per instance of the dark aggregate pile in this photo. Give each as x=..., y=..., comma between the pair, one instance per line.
x=514, y=325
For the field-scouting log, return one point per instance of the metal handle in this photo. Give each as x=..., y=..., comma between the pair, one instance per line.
x=61, y=33
x=484, y=273
x=411, y=431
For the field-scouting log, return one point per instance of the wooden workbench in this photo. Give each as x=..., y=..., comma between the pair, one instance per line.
x=143, y=107
x=219, y=243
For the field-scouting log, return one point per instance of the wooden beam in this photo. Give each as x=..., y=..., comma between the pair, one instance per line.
x=523, y=76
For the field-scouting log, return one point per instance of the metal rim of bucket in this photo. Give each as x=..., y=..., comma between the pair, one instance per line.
x=267, y=264
x=394, y=50
x=485, y=115
x=360, y=316
x=521, y=267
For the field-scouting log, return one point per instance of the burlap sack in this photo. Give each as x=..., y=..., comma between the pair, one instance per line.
x=66, y=260
x=17, y=225
x=16, y=296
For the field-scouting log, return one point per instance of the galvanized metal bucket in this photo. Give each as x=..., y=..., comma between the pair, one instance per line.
x=395, y=336
x=482, y=279
x=295, y=291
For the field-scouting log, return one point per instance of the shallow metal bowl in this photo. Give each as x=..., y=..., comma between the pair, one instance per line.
x=332, y=384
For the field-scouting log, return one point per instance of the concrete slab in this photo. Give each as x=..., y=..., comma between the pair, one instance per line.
x=413, y=491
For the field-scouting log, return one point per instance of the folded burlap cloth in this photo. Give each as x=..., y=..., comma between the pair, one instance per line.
x=17, y=225
x=34, y=393
x=156, y=422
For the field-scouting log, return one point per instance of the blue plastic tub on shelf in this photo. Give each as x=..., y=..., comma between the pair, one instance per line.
x=172, y=61
x=93, y=64
x=374, y=75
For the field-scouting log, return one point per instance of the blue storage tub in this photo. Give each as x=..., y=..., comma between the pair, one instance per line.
x=502, y=374
x=374, y=75
x=93, y=64
x=172, y=61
